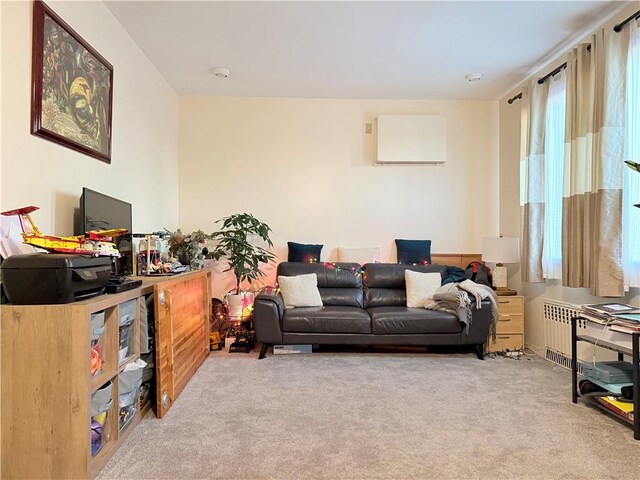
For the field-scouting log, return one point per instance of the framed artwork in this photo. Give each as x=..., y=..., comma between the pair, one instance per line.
x=72, y=87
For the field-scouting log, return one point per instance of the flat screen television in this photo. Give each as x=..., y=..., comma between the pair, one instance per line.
x=102, y=212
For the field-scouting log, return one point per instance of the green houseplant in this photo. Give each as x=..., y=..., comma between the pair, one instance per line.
x=233, y=242
x=186, y=246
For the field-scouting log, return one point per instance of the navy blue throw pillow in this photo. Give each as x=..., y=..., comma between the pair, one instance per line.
x=302, y=252
x=413, y=251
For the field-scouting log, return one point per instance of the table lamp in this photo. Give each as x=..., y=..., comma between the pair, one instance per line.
x=501, y=250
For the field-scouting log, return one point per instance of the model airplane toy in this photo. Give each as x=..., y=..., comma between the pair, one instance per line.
x=97, y=243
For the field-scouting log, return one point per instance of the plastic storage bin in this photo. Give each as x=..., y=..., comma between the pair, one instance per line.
x=101, y=402
x=129, y=382
x=127, y=314
x=97, y=331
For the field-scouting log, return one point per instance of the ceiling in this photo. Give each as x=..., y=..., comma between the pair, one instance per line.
x=393, y=50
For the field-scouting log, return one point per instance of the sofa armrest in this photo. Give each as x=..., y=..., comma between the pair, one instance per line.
x=268, y=309
x=481, y=321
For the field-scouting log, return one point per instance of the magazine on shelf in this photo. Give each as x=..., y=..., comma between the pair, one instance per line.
x=591, y=317
x=623, y=409
x=611, y=308
x=628, y=317
x=616, y=327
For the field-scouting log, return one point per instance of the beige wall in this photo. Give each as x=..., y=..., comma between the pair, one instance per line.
x=510, y=215
x=145, y=128
x=305, y=167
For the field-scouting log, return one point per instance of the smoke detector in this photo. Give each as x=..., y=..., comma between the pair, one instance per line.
x=221, y=72
x=474, y=76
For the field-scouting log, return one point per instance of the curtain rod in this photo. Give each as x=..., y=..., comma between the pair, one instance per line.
x=621, y=25
x=556, y=70
x=514, y=98
x=616, y=28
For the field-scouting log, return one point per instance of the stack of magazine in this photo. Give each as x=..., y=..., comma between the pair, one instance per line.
x=612, y=322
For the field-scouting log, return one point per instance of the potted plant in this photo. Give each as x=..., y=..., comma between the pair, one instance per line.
x=233, y=242
x=185, y=247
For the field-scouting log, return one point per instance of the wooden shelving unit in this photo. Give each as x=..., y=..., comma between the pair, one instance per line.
x=47, y=386
x=633, y=352
x=46, y=383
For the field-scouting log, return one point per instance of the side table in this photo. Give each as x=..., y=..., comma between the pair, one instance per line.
x=510, y=326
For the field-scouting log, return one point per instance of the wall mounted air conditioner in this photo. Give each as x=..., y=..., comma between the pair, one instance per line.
x=411, y=139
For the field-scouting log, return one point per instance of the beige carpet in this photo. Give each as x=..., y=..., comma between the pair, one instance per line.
x=360, y=415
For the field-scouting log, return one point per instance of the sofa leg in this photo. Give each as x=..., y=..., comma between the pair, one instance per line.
x=479, y=349
x=263, y=351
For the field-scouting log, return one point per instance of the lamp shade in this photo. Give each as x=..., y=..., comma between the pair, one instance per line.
x=501, y=249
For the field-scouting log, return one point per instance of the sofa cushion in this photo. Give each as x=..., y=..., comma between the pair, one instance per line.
x=337, y=275
x=401, y=320
x=327, y=320
x=391, y=275
x=421, y=287
x=303, y=252
x=385, y=285
x=300, y=291
x=413, y=251
x=359, y=255
x=340, y=283
x=346, y=297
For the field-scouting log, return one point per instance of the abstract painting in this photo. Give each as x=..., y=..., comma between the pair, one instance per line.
x=72, y=87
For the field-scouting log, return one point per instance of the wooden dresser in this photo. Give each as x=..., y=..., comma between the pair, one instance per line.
x=510, y=326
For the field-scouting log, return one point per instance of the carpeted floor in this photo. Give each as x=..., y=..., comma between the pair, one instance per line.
x=360, y=415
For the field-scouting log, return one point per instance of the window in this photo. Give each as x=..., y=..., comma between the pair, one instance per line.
x=554, y=160
x=631, y=186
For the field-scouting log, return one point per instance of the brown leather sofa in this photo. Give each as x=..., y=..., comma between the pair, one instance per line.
x=363, y=306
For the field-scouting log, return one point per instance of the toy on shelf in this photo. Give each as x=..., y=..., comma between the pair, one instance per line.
x=151, y=261
x=96, y=243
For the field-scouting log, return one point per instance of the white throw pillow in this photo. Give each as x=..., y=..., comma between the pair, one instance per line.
x=300, y=291
x=359, y=255
x=421, y=287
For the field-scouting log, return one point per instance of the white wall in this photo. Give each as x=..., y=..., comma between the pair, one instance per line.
x=535, y=293
x=144, y=163
x=305, y=167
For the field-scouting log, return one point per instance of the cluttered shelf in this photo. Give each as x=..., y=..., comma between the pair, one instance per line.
x=613, y=387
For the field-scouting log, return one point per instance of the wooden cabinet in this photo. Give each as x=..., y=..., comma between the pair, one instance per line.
x=510, y=325
x=46, y=372
x=47, y=386
x=183, y=310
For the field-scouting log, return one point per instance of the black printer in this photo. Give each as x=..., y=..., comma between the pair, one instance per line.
x=48, y=278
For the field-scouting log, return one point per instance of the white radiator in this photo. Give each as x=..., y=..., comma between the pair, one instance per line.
x=557, y=333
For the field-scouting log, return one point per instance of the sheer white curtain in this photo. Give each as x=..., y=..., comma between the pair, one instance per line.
x=532, y=181
x=553, y=160
x=631, y=187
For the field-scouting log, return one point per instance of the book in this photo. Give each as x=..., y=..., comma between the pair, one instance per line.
x=624, y=328
x=596, y=318
x=621, y=408
x=628, y=317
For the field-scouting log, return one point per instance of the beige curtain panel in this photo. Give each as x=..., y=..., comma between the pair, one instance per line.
x=593, y=175
x=592, y=170
x=532, y=174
